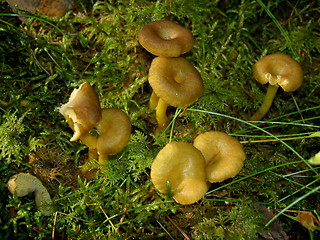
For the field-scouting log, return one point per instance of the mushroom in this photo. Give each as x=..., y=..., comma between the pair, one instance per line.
x=224, y=155
x=165, y=38
x=52, y=8
x=175, y=82
x=82, y=112
x=279, y=70
x=180, y=167
x=114, y=133
x=22, y=184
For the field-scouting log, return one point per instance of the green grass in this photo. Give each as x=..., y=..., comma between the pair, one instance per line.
x=43, y=60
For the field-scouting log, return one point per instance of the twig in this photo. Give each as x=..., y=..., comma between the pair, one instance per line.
x=55, y=221
x=180, y=230
x=164, y=229
x=104, y=213
x=297, y=106
x=122, y=218
x=34, y=56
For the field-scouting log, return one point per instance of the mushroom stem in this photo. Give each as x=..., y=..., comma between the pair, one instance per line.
x=161, y=114
x=92, y=154
x=153, y=101
x=103, y=159
x=89, y=140
x=267, y=102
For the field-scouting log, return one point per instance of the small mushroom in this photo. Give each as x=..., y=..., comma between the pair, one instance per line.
x=82, y=112
x=165, y=38
x=279, y=70
x=180, y=167
x=114, y=133
x=175, y=82
x=22, y=184
x=52, y=8
x=224, y=155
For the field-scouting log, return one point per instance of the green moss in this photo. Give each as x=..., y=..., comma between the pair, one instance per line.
x=43, y=60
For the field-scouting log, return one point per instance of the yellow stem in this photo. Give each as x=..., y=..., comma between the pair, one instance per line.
x=89, y=140
x=153, y=101
x=92, y=155
x=161, y=114
x=103, y=158
x=267, y=102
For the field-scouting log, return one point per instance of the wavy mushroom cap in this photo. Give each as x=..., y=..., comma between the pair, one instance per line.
x=175, y=80
x=83, y=110
x=279, y=70
x=224, y=155
x=165, y=38
x=114, y=131
x=181, y=166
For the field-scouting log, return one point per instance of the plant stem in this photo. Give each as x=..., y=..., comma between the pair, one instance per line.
x=267, y=102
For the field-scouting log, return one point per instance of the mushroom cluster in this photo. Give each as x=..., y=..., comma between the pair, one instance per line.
x=83, y=114
x=187, y=170
x=174, y=80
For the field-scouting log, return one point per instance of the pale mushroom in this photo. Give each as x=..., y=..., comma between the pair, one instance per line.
x=23, y=184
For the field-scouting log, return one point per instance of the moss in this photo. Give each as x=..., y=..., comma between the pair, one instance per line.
x=46, y=58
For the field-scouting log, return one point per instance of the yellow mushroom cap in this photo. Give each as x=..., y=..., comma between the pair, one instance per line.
x=175, y=80
x=114, y=131
x=83, y=110
x=224, y=155
x=279, y=70
x=165, y=38
x=182, y=166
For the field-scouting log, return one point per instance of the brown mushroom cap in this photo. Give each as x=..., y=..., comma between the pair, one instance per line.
x=114, y=131
x=83, y=110
x=175, y=80
x=224, y=155
x=182, y=166
x=279, y=69
x=50, y=8
x=165, y=38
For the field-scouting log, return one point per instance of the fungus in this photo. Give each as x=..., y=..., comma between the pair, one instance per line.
x=165, y=38
x=175, y=82
x=82, y=112
x=224, y=155
x=22, y=184
x=52, y=8
x=182, y=167
x=279, y=70
x=114, y=133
